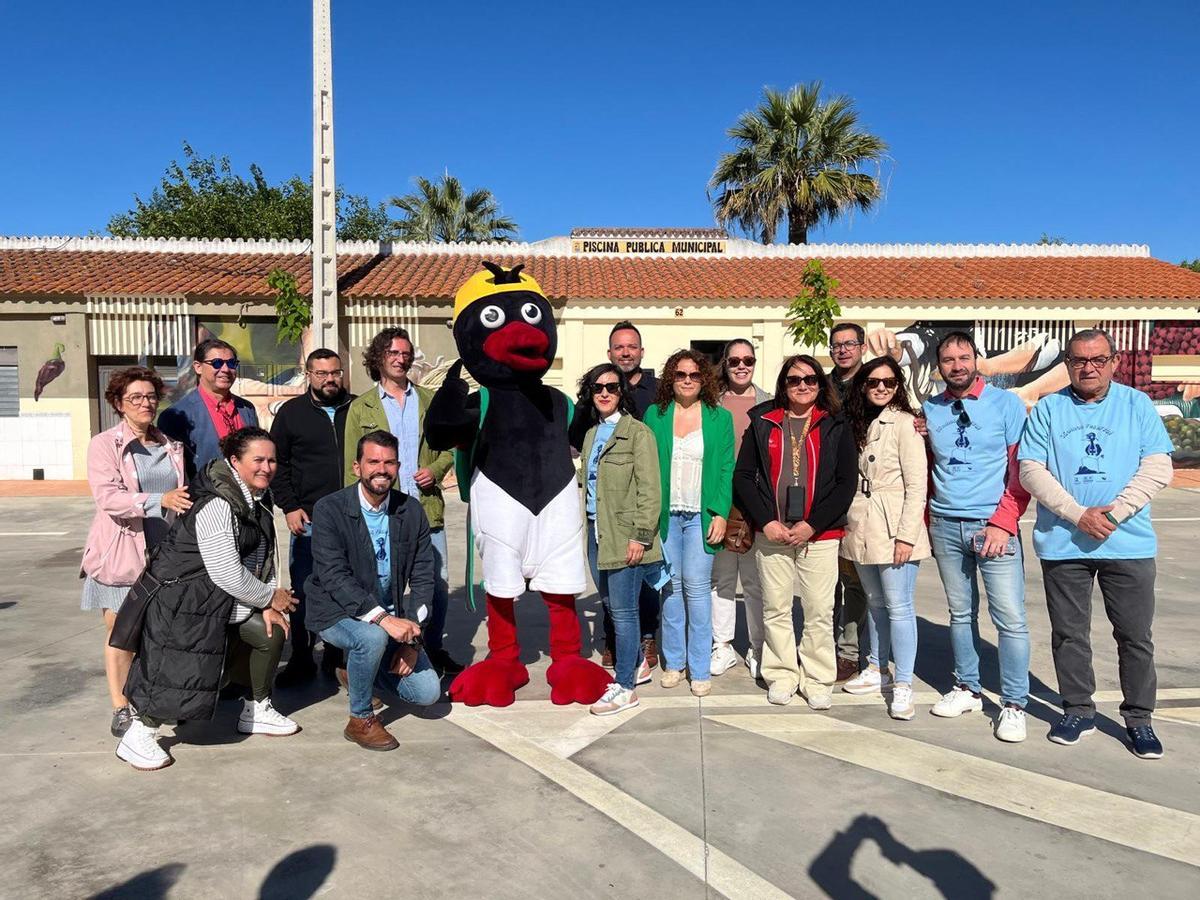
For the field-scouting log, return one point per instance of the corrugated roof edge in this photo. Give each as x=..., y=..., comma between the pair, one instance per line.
x=561, y=247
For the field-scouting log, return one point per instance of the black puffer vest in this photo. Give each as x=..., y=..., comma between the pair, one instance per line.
x=177, y=672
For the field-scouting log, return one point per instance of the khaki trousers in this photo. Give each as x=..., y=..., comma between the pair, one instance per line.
x=813, y=570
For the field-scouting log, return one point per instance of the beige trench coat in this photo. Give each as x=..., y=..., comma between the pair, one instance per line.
x=889, y=504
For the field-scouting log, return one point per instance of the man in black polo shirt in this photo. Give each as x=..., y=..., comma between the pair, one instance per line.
x=308, y=432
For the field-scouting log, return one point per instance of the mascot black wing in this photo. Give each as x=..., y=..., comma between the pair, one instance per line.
x=515, y=460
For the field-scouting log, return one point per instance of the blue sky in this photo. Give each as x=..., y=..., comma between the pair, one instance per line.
x=1005, y=120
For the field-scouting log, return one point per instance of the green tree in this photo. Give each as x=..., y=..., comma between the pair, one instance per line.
x=293, y=310
x=1193, y=264
x=205, y=198
x=445, y=211
x=1051, y=239
x=798, y=158
x=815, y=309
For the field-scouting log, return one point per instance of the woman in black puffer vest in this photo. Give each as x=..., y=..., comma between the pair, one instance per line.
x=216, y=614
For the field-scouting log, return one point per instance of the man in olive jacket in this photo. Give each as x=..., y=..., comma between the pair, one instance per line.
x=398, y=406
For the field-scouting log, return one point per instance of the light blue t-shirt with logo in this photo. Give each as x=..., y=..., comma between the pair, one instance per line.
x=381, y=545
x=970, y=454
x=1093, y=450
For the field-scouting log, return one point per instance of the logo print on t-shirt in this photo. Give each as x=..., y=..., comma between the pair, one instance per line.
x=959, y=456
x=1091, y=469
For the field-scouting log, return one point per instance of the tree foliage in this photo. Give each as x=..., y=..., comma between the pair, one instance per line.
x=1051, y=240
x=1193, y=264
x=204, y=198
x=815, y=309
x=798, y=159
x=444, y=211
x=293, y=310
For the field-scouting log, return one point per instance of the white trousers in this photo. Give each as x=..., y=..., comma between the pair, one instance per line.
x=727, y=569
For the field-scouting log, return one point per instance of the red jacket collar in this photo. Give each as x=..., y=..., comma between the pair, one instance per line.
x=775, y=416
x=973, y=393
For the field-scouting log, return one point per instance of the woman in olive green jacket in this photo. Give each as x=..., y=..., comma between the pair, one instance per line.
x=622, y=502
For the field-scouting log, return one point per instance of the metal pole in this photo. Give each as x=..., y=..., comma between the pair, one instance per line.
x=324, y=247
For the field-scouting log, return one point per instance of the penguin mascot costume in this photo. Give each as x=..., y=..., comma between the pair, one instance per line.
x=514, y=456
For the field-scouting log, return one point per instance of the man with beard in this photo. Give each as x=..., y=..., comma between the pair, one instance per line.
x=976, y=502
x=308, y=432
x=370, y=544
x=846, y=342
x=398, y=406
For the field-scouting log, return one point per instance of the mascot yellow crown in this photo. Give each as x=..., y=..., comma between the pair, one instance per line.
x=494, y=279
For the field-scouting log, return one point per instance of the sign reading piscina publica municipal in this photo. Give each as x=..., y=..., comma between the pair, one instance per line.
x=647, y=245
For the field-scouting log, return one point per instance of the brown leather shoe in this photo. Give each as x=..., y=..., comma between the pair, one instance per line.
x=370, y=734
x=846, y=669
x=650, y=652
x=344, y=680
x=606, y=658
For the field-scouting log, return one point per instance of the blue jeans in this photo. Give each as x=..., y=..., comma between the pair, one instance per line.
x=433, y=630
x=1004, y=582
x=687, y=603
x=620, y=590
x=367, y=646
x=892, y=622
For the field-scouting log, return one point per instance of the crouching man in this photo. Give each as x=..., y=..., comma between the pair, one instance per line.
x=370, y=543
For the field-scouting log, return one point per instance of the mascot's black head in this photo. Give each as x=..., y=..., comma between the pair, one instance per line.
x=504, y=326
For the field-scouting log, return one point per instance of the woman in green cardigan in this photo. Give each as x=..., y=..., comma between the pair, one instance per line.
x=695, y=459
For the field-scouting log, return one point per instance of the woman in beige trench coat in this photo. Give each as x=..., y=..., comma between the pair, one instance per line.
x=885, y=531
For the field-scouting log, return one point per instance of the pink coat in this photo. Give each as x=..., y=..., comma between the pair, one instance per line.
x=115, y=552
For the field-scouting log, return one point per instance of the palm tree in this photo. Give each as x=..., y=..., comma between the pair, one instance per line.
x=796, y=157
x=446, y=212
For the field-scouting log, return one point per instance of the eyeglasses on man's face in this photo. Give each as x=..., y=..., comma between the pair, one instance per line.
x=736, y=361
x=806, y=380
x=606, y=387
x=398, y=354
x=139, y=399
x=218, y=364
x=326, y=376
x=1096, y=362
x=686, y=376
x=845, y=345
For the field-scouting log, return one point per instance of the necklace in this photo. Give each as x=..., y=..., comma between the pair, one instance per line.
x=798, y=444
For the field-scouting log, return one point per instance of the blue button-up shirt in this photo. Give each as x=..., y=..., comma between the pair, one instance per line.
x=404, y=422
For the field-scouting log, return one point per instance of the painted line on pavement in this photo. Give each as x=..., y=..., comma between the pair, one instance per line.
x=33, y=533
x=724, y=874
x=1143, y=826
x=1183, y=715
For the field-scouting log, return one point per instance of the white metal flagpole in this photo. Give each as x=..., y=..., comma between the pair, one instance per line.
x=324, y=245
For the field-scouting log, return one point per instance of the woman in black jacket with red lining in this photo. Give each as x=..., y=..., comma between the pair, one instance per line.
x=794, y=481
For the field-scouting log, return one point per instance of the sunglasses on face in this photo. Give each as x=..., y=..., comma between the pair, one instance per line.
x=734, y=361
x=606, y=387
x=889, y=383
x=686, y=376
x=797, y=380
x=219, y=364
x=963, y=418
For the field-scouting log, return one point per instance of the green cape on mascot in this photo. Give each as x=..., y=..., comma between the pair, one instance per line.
x=511, y=438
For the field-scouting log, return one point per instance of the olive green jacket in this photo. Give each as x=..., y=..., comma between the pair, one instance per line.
x=366, y=415
x=628, y=494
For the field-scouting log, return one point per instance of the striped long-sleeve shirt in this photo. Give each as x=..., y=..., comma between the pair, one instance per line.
x=216, y=536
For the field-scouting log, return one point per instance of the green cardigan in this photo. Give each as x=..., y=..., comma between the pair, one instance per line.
x=366, y=414
x=716, y=480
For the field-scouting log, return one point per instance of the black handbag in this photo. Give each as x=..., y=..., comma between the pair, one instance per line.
x=127, y=629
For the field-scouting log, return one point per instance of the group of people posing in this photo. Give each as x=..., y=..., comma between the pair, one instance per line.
x=695, y=482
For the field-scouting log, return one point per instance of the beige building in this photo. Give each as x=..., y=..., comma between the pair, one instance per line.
x=73, y=309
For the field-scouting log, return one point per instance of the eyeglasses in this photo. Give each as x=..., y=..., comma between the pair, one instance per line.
x=734, y=361
x=381, y=553
x=326, y=376
x=1096, y=362
x=401, y=354
x=963, y=418
x=219, y=364
x=797, y=380
x=688, y=376
x=889, y=383
x=139, y=399
x=606, y=387
x=845, y=345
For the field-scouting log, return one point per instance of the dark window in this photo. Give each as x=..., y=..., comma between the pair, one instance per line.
x=10, y=400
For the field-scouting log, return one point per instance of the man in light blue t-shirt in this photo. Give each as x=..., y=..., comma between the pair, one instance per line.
x=1094, y=455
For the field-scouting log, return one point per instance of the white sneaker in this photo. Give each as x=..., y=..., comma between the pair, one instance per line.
x=868, y=681
x=723, y=659
x=956, y=701
x=752, y=663
x=901, y=706
x=260, y=717
x=139, y=747
x=1010, y=727
x=819, y=698
x=616, y=699
x=780, y=694
x=643, y=673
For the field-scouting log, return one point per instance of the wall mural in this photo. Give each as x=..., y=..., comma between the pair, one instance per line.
x=51, y=369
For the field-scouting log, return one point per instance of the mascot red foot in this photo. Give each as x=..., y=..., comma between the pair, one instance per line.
x=513, y=453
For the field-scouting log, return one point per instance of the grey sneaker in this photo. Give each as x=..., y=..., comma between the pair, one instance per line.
x=819, y=698
x=780, y=694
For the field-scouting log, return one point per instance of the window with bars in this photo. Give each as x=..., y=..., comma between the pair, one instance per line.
x=10, y=400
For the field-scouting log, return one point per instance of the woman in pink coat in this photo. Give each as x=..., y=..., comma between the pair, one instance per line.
x=136, y=477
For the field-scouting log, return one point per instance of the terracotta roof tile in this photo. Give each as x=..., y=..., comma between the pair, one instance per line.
x=77, y=272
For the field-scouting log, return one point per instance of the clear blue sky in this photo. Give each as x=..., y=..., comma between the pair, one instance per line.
x=1005, y=120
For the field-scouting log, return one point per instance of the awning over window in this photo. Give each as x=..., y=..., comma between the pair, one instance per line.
x=146, y=325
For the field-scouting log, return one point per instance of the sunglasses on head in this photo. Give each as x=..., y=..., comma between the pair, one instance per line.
x=963, y=418
x=889, y=382
x=797, y=380
x=219, y=364
x=686, y=376
x=606, y=387
x=734, y=361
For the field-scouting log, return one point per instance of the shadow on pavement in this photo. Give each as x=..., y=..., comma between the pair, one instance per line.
x=149, y=885
x=950, y=873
